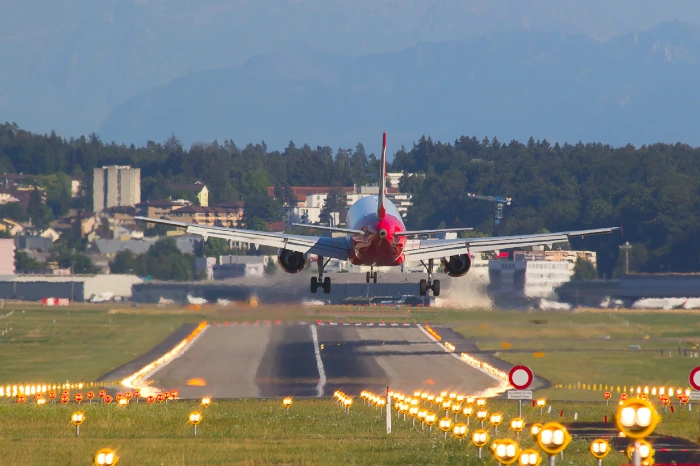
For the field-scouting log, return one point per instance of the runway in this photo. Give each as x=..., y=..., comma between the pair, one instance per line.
x=272, y=360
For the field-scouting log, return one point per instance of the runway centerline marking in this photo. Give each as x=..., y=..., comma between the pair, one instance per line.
x=319, y=363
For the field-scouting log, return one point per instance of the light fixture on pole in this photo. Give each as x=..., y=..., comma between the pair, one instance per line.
x=194, y=419
x=480, y=438
x=529, y=457
x=76, y=419
x=553, y=438
x=106, y=457
x=599, y=449
x=506, y=451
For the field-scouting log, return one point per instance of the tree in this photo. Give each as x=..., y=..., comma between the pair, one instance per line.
x=262, y=207
x=24, y=262
x=336, y=201
x=37, y=210
x=13, y=211
x=123, y=263
x=584, y=270
x=215, y=247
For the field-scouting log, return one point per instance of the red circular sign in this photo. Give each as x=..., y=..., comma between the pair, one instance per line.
x=520, y=377
x=694, y=378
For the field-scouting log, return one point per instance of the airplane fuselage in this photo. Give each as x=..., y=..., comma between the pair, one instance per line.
x=380, y=247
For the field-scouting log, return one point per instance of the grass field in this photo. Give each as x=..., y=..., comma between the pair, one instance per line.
x=258, y=432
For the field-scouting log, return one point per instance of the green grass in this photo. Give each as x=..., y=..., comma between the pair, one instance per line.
x=589, y=347
x=260, y=432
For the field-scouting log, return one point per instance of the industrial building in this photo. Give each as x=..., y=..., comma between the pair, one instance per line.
x=76, y=288
x=116, y=186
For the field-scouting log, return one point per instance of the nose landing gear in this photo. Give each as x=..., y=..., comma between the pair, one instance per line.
x=429, y=284
x=321, y=282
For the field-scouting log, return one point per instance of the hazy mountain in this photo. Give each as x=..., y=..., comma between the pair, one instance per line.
x=66, y=65
x=637, y=88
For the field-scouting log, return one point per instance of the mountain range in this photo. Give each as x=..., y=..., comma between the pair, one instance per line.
x=636, y=88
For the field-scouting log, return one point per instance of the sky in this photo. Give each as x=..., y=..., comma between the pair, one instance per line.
x=67, y=65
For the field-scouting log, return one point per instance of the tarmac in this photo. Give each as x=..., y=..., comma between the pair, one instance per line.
x=272, y=360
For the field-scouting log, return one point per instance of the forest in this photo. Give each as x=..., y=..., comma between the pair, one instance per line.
x=651, y=192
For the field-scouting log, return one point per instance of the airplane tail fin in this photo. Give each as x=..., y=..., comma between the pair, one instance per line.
x=381, y=211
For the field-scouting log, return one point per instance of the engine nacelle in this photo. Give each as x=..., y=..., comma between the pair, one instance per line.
x=456, y=266
x=291, y=261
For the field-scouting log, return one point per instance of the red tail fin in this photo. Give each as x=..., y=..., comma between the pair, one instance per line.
x=381, y=211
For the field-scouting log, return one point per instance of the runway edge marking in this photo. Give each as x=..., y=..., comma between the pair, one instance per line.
x=319, y=363
x=136, y=380
x=502, y=385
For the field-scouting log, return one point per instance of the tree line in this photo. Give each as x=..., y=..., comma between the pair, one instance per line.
x=650, y=191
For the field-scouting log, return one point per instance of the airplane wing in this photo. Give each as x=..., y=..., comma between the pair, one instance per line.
x=336, y=248
x=437, y=248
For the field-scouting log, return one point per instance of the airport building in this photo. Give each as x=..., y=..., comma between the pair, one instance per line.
x=7, y=256
x=116, y=186
x=534, y=274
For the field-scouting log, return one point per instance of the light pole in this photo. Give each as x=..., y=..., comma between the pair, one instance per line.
x=76, y=419
x=553, y=438
x=479, y=439
x=505, y=450
x=599, y=449
x=194, y=419
x=106, y=457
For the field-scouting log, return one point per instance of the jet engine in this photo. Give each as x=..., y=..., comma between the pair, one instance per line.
x=456, y=266
x=291, y=261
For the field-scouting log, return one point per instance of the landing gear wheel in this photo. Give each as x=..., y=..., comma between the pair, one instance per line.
x=314, y=284
x=327, y=285
x=374, y=277
x=436, y=288
x=423, y=287
x=369, y=276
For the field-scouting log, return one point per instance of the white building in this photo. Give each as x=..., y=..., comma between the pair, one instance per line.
x=534, y=274
x=7, y=256
x=116, y=186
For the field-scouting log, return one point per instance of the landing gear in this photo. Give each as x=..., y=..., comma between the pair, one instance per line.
x=321, y=282
x=372, y=276
x=429, y=284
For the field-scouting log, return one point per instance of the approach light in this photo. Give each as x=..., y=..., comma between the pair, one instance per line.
x=459, y=430
x=195, y=418
x=599, y=448
x=106, y=457
x=506, y=451
x=206, y=401
x=529, y=457
x=646, y=451
x=480, y=438
x=636, y=418
x=517, y=424
x=553, y=438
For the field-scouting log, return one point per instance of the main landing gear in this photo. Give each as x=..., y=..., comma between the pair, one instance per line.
x=372, y=276
x=429, y=284
x=321, y=282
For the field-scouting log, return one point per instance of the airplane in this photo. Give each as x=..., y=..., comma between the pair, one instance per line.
x=376, y=236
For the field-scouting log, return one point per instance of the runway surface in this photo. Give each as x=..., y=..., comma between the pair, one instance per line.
x=278, y=360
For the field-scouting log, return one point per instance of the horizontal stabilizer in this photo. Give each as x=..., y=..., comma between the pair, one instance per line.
x=336, y=229
x=428, y=232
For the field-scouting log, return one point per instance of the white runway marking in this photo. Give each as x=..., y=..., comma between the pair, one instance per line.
x=319, y=363
x=502, y=385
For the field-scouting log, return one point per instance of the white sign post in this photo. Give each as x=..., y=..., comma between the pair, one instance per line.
x=388, y=411
x=694, y=379
x=520, y=378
